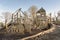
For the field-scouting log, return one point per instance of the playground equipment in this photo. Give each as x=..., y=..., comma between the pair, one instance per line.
x=21, y=22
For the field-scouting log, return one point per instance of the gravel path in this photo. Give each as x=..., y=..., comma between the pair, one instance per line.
x=51, y=34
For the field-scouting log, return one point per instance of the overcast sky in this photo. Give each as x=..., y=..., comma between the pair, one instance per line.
x=50, y=6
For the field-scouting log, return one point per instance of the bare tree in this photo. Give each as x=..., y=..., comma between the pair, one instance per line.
x=6, y=16
x=58, y=17
x=33, y=10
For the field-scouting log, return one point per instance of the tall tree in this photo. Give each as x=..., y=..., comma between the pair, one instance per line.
x=32, y=10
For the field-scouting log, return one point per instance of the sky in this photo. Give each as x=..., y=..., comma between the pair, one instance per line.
x=51, y=6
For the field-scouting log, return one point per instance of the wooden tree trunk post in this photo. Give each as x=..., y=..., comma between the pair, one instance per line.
x=17, y=17
x=50, y=17
x=6, y=23
x=12, y=17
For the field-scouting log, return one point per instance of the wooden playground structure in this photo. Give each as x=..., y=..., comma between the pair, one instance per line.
x=21, y=24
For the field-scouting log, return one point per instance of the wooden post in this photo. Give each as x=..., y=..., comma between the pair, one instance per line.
x=17, y=17
x=6, y=23
x=50, y=17
x=12, y=17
